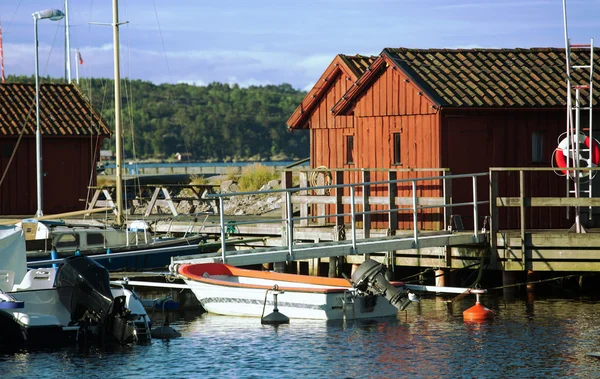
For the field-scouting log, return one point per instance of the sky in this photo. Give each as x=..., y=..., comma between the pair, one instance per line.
x=262, y=42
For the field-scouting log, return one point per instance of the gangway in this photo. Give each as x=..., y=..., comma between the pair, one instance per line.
x=415, y=239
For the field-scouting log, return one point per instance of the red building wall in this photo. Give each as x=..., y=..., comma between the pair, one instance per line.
x=68, y=166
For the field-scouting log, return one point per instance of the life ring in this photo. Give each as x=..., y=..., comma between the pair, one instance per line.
x=563, y=149
x=320, y=172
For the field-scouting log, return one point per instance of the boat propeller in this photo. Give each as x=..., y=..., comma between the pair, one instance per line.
x=369, y=277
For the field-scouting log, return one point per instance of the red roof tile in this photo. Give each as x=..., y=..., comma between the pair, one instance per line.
x=496, y=77
x=64, y=111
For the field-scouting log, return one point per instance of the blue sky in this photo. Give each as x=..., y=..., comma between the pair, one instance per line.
x=259, y=42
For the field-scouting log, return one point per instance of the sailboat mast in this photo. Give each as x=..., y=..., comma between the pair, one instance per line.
x=119, y=148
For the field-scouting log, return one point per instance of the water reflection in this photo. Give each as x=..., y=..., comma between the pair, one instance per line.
x=529, y=337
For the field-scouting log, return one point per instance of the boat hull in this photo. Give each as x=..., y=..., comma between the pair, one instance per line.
x=156, y=255
x=41, y=322
x=251, y=293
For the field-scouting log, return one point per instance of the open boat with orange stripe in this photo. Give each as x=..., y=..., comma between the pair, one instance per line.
x=233, y=291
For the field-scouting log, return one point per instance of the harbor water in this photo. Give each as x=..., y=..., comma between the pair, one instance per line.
x=541, y=338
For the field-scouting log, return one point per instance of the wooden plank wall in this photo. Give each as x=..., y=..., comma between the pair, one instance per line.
x=68, y=165
x=503, y=138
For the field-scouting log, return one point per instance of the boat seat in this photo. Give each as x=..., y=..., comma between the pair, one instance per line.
x=40, y=278
x=7, y=279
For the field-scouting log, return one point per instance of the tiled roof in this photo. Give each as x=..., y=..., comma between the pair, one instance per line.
x=64, y=111
x=352, y=66
x=496, y=77
x=358, y=63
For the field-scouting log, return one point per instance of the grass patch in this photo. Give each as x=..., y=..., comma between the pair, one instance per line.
x=254, y=176
x=198, y=179
x=232, y=173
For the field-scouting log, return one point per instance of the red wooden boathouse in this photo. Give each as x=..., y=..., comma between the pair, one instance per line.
x=466, y=110
x=72, y=133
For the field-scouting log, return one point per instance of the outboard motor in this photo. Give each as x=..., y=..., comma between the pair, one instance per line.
x=83, y=286
x=369, y=277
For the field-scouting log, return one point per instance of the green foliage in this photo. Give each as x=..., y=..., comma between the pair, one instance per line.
x=254, y=176
x=217, y=122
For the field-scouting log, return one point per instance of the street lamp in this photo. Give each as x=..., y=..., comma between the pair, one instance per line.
x=53, y=15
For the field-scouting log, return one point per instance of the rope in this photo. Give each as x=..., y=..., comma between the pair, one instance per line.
x=16, y=145
x=540, y=281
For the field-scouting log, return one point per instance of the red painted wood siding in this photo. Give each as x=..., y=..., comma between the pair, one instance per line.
x=475, y=140
x=69, y=167
x=393, y=104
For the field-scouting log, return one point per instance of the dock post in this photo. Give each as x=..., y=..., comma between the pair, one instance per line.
x=530, y=279
x=509, y=279
x=440, y=280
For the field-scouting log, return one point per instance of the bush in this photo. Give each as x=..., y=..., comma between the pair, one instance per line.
x=232, y=173
x=255, y=176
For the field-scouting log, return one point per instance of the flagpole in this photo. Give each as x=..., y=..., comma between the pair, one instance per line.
x=1, y=54
x=77, y=62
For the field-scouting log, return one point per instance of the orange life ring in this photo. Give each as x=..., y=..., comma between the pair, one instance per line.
x=563, y=149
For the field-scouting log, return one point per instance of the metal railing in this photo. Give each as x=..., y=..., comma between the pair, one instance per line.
x=415, y=207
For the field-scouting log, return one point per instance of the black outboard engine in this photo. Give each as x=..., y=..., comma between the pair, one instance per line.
x=369, y=277
x=83, y=286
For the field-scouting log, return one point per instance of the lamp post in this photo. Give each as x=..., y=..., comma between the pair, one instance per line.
x=53, y=15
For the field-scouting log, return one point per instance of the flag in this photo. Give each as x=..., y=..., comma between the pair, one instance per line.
x=80, y=58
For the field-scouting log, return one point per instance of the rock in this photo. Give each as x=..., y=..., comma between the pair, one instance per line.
x=228, y=186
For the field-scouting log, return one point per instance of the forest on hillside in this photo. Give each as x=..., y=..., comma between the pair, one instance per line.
x=217, y=122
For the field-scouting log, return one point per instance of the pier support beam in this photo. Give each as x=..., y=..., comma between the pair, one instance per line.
x=440, y=277
x=509, y=279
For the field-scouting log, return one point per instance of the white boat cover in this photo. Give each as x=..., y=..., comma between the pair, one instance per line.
x=12, y=251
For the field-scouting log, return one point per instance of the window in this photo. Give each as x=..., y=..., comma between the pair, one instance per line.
x=95, y=239
x=349, y=149
x=66, y=241
x=397, y=151
x=537, y=147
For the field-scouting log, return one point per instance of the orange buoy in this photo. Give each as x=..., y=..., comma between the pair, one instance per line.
x=478, y=312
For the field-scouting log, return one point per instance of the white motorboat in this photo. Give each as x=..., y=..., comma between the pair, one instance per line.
x=56, y=307
x=233, y=291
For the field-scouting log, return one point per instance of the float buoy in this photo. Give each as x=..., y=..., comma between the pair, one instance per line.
x=478, y=312
x=563, y=149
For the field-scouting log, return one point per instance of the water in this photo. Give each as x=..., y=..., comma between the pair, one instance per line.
x=539, y=339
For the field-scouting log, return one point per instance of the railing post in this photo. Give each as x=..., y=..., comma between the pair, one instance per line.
x=290, y=225
x=366, y=178
x=447, y=193
x=415, y=214
x=475, y=210
x=353, y=218
x=493, y=216
x=392, y=193
x=222, y=221
x=304, y=206
x=522, y=203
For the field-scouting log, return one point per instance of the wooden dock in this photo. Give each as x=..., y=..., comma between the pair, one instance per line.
x=320, y=221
